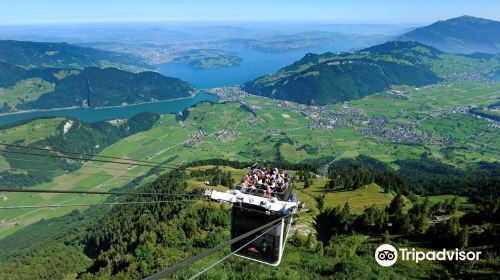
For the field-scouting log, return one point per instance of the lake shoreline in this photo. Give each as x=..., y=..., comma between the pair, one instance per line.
x=96, y=108
x=90, y=115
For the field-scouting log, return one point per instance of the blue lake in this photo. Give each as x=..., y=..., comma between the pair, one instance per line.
x=92, y=115
x=254, y=64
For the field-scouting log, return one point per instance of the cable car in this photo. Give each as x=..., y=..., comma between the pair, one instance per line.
x=251, y=210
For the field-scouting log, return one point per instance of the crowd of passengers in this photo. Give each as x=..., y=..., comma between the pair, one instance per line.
x=265, y=181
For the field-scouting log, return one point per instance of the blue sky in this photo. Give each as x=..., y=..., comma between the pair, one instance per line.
x=334, y=11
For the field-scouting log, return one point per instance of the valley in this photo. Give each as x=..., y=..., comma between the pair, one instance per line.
x=249, y=128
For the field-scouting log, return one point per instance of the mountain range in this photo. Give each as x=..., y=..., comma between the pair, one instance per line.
x=419, y=57
x=51, y=75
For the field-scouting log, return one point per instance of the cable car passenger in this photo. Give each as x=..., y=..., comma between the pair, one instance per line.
x=267, y=182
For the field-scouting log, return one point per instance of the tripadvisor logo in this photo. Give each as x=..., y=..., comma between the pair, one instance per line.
x=387, y=255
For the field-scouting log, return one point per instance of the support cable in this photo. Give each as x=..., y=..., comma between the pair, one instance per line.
x=93, y=192
x=79, y=158
x=90, y=204
x=73, y=153
x=64, y=172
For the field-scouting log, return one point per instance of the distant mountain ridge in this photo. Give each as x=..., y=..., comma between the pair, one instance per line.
x=465, y=34
x=63, y=55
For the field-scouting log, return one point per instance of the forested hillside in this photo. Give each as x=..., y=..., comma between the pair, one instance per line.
x=330, y=78
x=95, y=87
x=56, y=75
x=49, y=88
x=12, y=74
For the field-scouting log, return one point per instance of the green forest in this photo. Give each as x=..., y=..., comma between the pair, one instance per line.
x=65, y=56
x=134, y=241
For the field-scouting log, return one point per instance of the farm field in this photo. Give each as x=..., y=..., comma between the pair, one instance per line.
x=419, y=100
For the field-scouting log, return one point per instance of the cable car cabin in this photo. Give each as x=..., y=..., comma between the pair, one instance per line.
x=249, y=212
x=270, y=243
x=255, y=204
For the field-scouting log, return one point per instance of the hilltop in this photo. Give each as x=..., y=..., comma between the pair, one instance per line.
x=465, y=34
x=330, y=78
x=63, y=55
